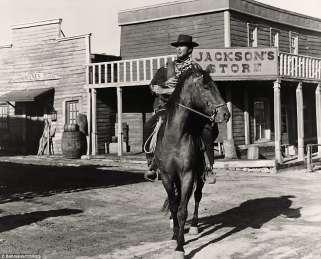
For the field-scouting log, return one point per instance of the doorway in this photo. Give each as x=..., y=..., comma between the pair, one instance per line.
x=262, y=123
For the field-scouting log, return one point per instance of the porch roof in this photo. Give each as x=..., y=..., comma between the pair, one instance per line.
x=25, y=95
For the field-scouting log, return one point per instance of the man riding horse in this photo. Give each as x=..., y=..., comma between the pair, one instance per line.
x=162, y=85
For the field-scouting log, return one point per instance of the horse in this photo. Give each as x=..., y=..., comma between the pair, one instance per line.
x=195, y=101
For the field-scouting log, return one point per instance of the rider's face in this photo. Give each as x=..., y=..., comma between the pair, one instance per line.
x=183, y=52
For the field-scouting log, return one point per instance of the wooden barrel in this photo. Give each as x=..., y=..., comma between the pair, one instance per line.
x=83, y=124
x=71, y=127
x=253, y=152
x=72, y=143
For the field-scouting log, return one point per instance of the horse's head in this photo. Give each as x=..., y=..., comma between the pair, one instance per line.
x=206, y=98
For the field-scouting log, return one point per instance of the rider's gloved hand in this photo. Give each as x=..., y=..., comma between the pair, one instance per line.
x=171, y=82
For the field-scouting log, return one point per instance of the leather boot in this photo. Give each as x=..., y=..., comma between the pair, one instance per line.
x=150, y=175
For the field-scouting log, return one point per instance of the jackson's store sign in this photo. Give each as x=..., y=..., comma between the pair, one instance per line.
x=238, y=64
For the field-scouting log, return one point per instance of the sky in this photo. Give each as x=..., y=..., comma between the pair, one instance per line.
x=99, y=17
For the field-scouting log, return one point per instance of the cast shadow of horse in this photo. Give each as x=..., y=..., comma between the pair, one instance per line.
x=20, y=182
x=10, y=222
x=252, y=213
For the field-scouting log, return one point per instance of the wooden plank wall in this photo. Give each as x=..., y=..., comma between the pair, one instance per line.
x=238, y=115
x=154, y=38
x=39, y=49
x=309, y=41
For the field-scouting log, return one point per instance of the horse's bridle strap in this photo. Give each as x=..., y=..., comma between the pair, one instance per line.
x=211, y=118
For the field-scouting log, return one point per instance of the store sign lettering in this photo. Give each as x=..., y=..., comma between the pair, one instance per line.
x=247, y=63
x=33, y=76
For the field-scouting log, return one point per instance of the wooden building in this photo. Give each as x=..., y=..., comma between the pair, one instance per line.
x=42, y=75
x=273, y=110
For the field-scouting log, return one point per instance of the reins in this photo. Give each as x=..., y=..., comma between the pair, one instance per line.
x=211, y=118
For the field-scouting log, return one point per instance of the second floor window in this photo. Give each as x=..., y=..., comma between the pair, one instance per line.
x=252, y=35
x=72, y=110
x=274, y=38
x=294, y=43
x=4, y=113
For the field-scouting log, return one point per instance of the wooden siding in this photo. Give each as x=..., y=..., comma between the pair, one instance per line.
x=195, y=7
x=29, y=35
x=309, y=41
x=238, y=115
x=154, y=38
x=39, y=50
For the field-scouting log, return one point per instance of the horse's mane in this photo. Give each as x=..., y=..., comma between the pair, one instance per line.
x=186, y=75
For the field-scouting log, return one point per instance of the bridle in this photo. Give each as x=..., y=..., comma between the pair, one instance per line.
x=211, y=118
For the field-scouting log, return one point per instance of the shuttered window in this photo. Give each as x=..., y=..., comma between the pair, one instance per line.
x=72, y=110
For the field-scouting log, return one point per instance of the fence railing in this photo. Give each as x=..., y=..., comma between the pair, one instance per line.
x=125, y=72
x=299, y=67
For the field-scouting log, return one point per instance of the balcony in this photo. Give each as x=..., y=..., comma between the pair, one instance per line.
x=134, y=72
x=129, y=72
x=299, y=67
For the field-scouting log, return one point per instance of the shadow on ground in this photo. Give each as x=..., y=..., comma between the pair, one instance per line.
x=10, y=222
x=19, y=182
x=252, y=213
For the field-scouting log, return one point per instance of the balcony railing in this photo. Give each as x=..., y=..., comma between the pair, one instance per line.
x=125, y=72
x=299, y=67
x=133, y=72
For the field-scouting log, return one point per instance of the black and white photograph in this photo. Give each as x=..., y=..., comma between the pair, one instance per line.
x=160, y=129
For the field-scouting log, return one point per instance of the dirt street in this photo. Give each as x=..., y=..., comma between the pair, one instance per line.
x=105, y=212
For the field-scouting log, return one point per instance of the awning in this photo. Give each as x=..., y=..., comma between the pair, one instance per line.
x=25, y=95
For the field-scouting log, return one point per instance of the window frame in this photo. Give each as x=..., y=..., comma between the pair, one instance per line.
x=296, y=48
x=4, y=118
x=251, y=26
x=272, y=38
x=68, y=112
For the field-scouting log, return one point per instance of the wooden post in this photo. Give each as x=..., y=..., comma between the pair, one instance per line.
x=246, y=116
x=300, y=121
x=94, y=122
x=309, y=158
x=229, y=130
x=318, y=115
x=277, y=120
x=227, y=29
x=48, y=136
x=89, y=137
x=120, y=122
x=229, y=146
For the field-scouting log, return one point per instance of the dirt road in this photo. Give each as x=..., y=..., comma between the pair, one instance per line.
x=87, y=212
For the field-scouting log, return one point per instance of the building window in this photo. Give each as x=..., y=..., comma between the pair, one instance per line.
x=274, y=38
x=252, y=35
x=294, y=43
x=4, y=113
x=72, y=110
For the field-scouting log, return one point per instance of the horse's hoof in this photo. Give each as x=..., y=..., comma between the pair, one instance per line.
x=179, y=255
x=193, y=231
x=171, y=224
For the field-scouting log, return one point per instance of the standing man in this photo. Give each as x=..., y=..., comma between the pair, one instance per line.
x=162, y=85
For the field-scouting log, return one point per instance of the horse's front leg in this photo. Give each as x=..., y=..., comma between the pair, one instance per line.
x=168, y=184
x=197, y=197
x=186, y=191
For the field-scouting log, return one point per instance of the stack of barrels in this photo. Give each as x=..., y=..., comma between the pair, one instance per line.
x=73, y=142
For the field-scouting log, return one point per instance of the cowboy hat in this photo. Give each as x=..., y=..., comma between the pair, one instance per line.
x=184, y=40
